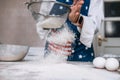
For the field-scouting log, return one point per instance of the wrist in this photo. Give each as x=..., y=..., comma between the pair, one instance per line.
x=80, y=21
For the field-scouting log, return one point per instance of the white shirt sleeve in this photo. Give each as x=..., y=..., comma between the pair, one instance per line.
x=92, y=22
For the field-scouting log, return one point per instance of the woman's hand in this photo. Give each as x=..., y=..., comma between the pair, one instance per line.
x=61, y=49
x=74, y=2
x=75, y=11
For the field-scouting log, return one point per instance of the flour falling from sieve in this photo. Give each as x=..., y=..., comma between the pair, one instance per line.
x=61, y=37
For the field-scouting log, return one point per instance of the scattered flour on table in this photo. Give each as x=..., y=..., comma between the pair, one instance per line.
x=63, y=71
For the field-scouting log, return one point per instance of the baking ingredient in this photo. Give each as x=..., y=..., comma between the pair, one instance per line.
x=99, y=62
x=112, y=64
x=53, y=58
x=59, y=71
x=62, y=37
x=51, y=22
x=32, y=68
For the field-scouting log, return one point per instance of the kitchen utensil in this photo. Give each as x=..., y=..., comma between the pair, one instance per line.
x=9, y=52
x=49, y=14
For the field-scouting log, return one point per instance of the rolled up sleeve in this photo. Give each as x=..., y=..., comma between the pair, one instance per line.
x=92, y=22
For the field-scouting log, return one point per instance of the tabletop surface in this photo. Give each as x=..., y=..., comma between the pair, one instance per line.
x=32, y=68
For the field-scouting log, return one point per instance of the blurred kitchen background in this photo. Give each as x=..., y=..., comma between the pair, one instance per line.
x=18, y=27
x=108, y=39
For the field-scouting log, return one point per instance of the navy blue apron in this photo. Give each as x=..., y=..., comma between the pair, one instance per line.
x=81, y=52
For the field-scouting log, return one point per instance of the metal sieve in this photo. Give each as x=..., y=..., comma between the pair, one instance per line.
x=49, y=14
